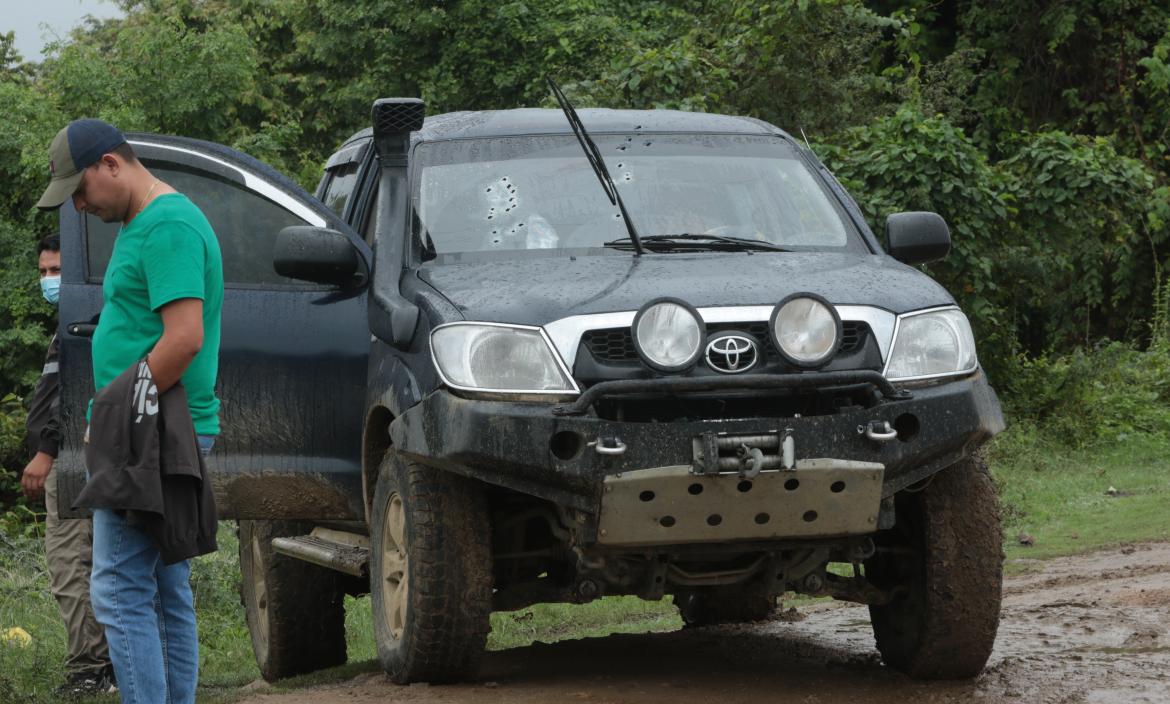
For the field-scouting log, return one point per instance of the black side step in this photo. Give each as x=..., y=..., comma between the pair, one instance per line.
x=337, y=550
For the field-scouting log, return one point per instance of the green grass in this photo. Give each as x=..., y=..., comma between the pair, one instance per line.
x=542, y=622
x=553, y=622
x=1052, y=491
x=1060, y=496
x=29, y=671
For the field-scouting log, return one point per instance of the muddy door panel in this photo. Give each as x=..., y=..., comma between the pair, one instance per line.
x=293, y=354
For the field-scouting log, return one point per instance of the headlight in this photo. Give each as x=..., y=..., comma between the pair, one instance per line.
x=936, y=343
x=668, y=335
x=493, y=357
x=806, y=330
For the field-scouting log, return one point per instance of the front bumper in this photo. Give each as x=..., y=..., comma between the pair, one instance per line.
x=525, y=447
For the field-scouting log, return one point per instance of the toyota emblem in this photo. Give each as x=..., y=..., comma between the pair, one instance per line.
x=732, y=354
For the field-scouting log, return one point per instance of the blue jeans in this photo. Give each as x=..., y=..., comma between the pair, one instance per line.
x=147, y=611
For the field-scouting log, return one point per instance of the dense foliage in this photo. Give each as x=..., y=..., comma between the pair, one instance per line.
x=1039, y=130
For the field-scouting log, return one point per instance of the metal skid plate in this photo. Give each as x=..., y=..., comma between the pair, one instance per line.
x=663, y=505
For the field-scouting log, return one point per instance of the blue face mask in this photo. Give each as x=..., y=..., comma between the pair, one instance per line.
x=51, y=288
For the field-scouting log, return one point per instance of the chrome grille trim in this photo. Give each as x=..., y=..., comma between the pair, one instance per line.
x=566, y=333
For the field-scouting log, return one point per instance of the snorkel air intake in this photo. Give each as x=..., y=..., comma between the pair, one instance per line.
x=392, y=317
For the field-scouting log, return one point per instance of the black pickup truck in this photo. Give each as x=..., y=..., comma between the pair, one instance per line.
x=512, y=357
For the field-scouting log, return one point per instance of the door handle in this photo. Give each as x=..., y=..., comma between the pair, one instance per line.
x=81, y=329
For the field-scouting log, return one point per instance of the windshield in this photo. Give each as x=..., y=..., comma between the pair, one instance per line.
x=538, y=192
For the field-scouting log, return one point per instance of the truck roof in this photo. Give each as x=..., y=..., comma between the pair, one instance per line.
x=526, y=121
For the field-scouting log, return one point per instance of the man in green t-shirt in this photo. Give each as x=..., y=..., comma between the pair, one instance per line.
x=163, y=292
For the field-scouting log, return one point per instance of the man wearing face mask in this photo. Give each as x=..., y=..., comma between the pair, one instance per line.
x=68, y=542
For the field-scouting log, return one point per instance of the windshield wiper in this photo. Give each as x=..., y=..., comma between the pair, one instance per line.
x=688, y=240
x=595, y=160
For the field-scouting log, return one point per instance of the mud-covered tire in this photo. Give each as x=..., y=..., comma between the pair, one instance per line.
x=710, y=606
x=295, y=610
x=430, y=573
x=943, y=624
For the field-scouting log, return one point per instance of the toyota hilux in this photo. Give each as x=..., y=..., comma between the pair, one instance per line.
x=511, y=357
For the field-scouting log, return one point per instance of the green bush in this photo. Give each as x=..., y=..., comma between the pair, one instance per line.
x=1097, y=396
x=1089, y=247
x=12, y=452
x=25, y=320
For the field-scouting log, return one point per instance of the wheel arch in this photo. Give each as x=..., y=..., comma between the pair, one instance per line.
x=376, y=443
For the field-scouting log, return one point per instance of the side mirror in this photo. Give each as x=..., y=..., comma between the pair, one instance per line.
x=317, y=254
x=918, y=237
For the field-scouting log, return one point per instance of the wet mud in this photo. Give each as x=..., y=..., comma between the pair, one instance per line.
x=1092, y=629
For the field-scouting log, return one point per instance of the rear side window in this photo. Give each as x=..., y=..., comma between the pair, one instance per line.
x=245, y=222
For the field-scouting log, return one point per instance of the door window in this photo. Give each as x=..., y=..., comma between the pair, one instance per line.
x=245, y=222
x=371, y=215
x=343, y=179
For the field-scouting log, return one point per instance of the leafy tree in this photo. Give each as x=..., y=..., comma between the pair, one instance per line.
x=1083, y=215
x=12, y=66
x=800, y=64
x=1080, y=66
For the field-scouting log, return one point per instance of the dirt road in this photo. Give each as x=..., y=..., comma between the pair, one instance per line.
x=1092, y=629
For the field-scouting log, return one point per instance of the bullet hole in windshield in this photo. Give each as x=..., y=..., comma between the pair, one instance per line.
x=501, y=197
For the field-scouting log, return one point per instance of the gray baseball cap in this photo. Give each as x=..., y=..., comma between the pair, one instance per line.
x=77, y=146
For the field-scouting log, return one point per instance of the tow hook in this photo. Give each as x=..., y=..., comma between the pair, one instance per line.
x=751, y=461
x=608, y=445
x=879, y=431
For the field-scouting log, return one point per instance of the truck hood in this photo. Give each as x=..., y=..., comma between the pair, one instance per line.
x=541, y=289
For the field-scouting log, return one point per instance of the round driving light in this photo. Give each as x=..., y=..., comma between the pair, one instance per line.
x=806, y=330
x=668, y=335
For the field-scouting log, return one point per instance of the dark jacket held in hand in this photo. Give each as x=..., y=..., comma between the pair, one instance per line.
x=143, y=458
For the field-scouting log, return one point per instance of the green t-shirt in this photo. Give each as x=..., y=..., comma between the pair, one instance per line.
x=167, y=252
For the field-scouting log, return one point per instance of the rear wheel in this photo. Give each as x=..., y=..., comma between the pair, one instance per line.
x=430, y=573
x=295, y=610
x=945, y=557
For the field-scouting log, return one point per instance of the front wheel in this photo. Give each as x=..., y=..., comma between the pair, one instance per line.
x=430, y=573
x=944, y=560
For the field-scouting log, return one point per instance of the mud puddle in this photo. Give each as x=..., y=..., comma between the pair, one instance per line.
x=1093, y=628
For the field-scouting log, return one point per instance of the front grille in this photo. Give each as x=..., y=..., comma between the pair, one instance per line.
x=616, y=345
x=613, y=345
